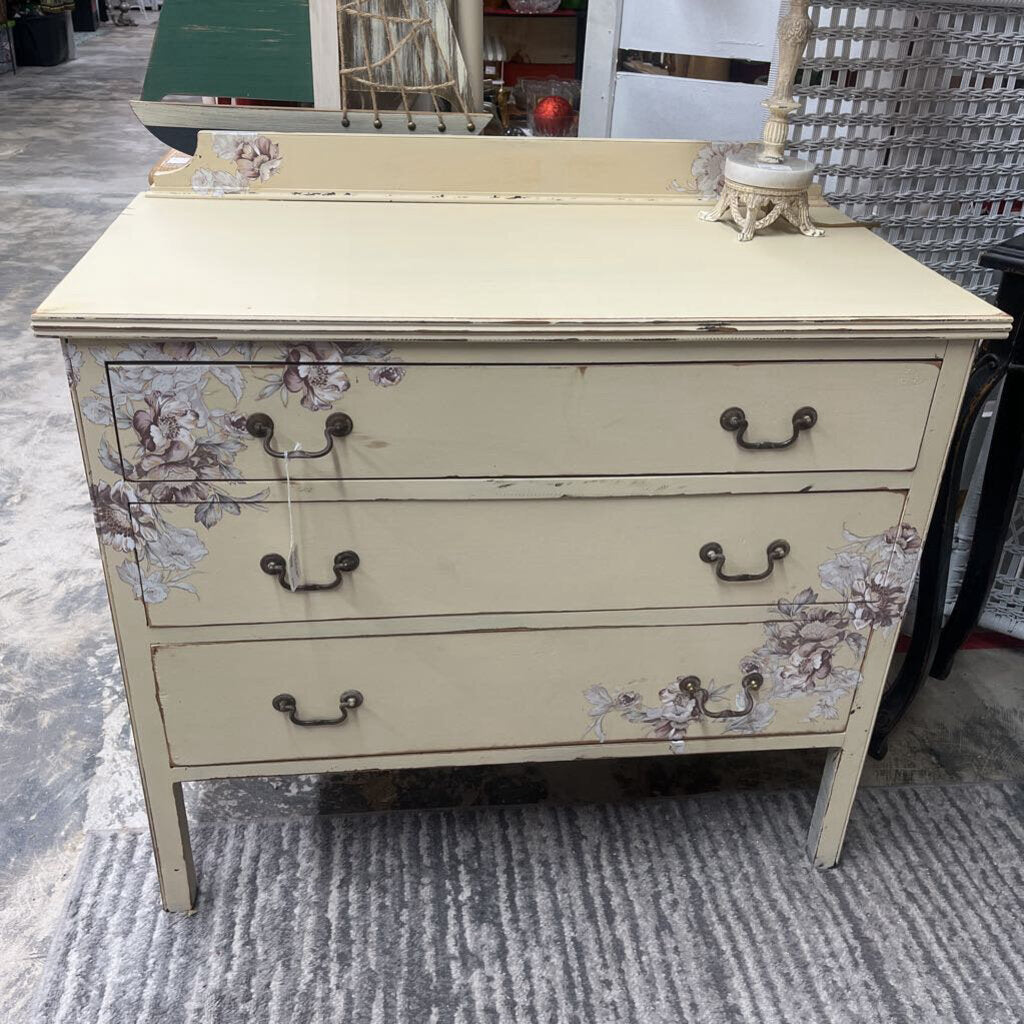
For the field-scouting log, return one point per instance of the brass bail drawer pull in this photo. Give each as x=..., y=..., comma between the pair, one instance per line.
x=734, y=420
x=275, y=565
x=751, y=683
x=287, y=705
x=260, y=425
x=714, y=554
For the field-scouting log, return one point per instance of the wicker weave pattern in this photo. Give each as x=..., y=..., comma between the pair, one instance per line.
x=913, y=112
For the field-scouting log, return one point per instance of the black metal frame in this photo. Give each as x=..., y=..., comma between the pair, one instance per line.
x=933, y=646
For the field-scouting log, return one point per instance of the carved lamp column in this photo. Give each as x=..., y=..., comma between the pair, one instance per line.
x=761, y=188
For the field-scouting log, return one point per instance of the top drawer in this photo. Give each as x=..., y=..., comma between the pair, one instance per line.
x=220, y=421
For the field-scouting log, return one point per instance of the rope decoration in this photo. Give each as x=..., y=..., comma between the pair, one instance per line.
x=389, y=55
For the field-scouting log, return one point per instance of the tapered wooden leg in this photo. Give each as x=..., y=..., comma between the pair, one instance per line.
x=843, y=765
x=832, y=810
x=168, y=826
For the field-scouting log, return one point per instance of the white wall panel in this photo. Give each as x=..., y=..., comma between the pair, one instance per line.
x=708, y=28
x=662, y=107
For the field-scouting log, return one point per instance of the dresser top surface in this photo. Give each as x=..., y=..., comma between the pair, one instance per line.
x=288, y=262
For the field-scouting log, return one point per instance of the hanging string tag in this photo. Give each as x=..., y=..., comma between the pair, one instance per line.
x=294, y=571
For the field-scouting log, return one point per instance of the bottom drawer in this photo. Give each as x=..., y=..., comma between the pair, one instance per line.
x=471, y=691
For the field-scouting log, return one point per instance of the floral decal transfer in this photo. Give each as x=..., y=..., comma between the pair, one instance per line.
x=798, y=654
x=707, y=172
x=178, y=439
x=256, y=159
x=312, y=373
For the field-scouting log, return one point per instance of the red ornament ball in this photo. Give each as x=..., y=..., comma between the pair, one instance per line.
x=553, y=115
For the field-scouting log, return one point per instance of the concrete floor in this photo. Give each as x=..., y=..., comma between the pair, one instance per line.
x=71, y=156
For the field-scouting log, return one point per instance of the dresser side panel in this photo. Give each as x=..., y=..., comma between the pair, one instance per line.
x=162, y=793
x=844, y=766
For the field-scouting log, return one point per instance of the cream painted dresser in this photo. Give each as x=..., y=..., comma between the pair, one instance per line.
x=570, y=475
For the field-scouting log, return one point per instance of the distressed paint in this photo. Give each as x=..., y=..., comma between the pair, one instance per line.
x=489, y=556
x=672, y=430
x=882, y=296
x=802, y=653
x=343, y=263
x=442, y=692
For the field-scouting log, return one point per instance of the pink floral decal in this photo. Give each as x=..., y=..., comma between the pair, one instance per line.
x=181, y=451
x=72, y=363
x=707, y=172
x=668, y=720
x=312, y=372
x=872, y=575
x=387, y=376
x=162, y=555
x=176, y=446
x=256, y=159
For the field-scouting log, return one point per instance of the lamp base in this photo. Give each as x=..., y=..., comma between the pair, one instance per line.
x=757, y=194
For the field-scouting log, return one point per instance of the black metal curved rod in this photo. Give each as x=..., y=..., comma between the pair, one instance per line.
x=275, y=565
x=260, y=425
x=933, y=572
x=714, y=554
x=1003, y=472
x=287, y=704
x=734, y=419
x=751, y=683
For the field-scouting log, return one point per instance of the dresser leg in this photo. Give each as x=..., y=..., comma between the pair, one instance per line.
x=832, y=809
x=169, y=828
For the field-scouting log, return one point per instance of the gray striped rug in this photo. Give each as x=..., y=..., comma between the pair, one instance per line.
x=702, y=910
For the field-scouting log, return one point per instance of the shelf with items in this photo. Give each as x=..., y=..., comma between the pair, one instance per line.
x=524, y=49
x=533, y=45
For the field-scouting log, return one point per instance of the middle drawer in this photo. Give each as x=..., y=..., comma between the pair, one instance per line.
x=467, y=557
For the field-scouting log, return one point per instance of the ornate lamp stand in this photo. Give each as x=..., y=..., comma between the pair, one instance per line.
x=760, y=189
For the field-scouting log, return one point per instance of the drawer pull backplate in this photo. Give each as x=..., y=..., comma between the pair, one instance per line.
x=751, y=683
x=714, y=554
x=287, y=705
x=275, y=565
x=734, y=420
x=260, y=425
